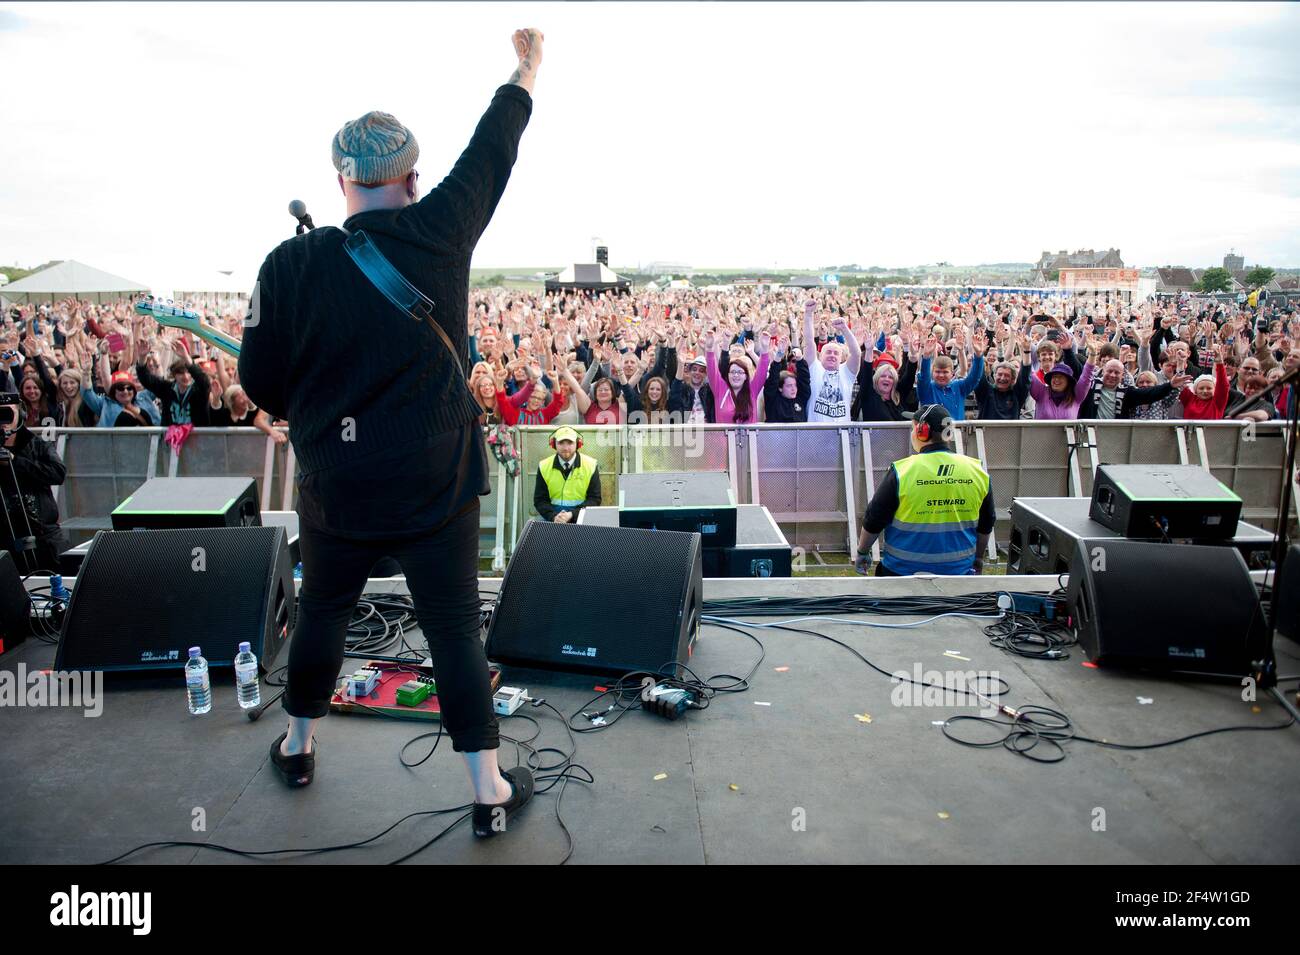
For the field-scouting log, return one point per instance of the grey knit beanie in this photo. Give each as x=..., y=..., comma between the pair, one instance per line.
x=374, y=148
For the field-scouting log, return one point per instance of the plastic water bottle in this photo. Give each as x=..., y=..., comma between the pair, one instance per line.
x=250, y=691
x=197, y=686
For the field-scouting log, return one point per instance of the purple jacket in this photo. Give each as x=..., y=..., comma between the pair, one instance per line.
x=1045, y=409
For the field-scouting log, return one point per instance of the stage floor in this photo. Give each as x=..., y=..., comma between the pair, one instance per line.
x=80, y=790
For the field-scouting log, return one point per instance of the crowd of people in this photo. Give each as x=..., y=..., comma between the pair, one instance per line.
x=841, y=356
x=693, y=356
x=76, y=364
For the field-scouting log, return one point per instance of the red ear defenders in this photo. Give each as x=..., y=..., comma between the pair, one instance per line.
x=920, y=425
x=578, y=442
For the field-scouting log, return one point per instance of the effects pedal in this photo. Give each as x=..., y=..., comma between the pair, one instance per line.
x=362, y=683
x=507, y=699
x=415, y=692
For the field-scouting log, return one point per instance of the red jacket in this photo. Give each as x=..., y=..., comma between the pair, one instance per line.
x=545, y=414
x=1212, y=410
x=509, y=405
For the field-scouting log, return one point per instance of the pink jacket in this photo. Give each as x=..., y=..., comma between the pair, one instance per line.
x=725, y=405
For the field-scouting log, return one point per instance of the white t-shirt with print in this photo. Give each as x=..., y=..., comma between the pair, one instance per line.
x=832, y=394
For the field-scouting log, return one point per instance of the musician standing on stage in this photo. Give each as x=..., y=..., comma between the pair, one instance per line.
x=934, y=508
x=390, y=455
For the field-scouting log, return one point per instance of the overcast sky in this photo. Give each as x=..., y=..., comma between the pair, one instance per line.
x=150, y=138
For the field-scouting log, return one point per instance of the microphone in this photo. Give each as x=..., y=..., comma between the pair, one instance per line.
x=298, y=209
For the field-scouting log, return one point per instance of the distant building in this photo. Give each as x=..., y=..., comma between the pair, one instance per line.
x=1233, y=262
x=1173, y=279
x=1049, y=263
x=1239, y=283
x=665, y=268
x=1082, y=259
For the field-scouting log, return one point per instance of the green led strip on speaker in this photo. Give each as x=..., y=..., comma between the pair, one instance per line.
x=121, y=509
x=1229, y=495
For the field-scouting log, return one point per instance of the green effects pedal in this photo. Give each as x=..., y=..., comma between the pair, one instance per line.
x=415, y=692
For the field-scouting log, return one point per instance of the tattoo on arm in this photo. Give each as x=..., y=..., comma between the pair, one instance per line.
x=525, y=69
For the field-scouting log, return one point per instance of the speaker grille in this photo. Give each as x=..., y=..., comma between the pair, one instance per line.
x=593, y=599
x=1165, y=606
x=141, y=600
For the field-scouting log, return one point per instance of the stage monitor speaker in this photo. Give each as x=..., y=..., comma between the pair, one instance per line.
x=1287, y=610
x=688, y=501
x=15, y=605
x=190, y=502
x=1173, y=500
x=1046, y=530
x=143, y=598
x=1149, y=605
x=598, y=600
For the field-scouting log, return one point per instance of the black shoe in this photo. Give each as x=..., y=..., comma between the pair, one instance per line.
x=488, y=819
x=294, y=770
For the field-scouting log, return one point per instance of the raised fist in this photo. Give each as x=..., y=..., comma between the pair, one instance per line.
x=528, y=45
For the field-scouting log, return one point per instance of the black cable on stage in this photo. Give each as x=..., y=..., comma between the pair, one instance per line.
x=41, y=617
x=1028, y=727
x=986, y=603
x=566, y=771
x=553, y=774
x=627, y=689
x=1183, y=739
x=557, y=773
x=216, y=847
x=379, y=622
x=899, y=676
x=401, y=753
x=1028, y=635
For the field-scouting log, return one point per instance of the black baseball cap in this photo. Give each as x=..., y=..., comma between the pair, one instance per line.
x=936, y=416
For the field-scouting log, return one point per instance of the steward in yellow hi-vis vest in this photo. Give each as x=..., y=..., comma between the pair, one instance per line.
x=934, y=509
x=566, y=482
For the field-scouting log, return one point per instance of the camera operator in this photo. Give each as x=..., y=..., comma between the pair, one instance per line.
x=29, y=466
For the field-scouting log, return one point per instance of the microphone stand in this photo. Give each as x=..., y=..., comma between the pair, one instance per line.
x=1266, y=668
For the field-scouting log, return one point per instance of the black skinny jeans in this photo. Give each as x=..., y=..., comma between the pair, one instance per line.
x=441, y=571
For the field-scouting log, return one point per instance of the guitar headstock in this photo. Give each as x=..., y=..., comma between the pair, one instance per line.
x=168, y=313
x=171, y=315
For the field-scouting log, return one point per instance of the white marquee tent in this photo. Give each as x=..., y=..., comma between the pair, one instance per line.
x=589, y=277
x=70, y=278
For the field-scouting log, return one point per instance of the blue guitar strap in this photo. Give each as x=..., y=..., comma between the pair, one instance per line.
x=393, y=285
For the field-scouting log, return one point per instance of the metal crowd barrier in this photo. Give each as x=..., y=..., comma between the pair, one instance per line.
x=816, y=479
